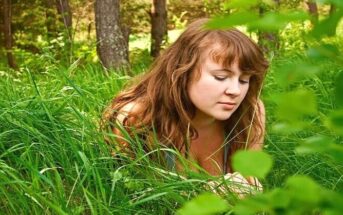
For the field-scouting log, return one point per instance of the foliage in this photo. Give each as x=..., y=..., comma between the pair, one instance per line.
x=54, y=160
x=250, y=163
x=207, y=203
x=296, y=110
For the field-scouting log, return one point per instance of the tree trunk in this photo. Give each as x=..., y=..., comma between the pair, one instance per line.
x=2, y=30
x=313, y=10
x=159, y=29
x=332, y=9
x=7, y=14
x=268, y=41
x=65, y=14
x=111, y=46
x=50, y=19
x=64, y=10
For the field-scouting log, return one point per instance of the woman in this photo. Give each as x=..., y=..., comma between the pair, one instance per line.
x=200, y=97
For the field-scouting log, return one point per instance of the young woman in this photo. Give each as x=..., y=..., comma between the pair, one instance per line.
x=200, y=97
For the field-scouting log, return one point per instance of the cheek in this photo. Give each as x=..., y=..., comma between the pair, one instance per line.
x=204, y=86
x=203, y=92
x=244, y=90
x=197, y=91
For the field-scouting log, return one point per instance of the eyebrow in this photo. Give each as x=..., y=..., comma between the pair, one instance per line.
x=222, y=69
x=230, y=71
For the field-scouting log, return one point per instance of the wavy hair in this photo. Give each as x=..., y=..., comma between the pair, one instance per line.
x=162, y=95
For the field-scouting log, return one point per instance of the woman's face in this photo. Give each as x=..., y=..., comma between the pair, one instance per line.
x=219, y=91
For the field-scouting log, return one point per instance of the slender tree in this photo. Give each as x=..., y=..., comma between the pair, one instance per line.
x=313, y=10
x=65, y=17
x=64, y=10
x=159, y=29
x=7, y=16
x=50, y=18
x=111, y=45
x=332, y=9
x=268, y=41
x=2, y=31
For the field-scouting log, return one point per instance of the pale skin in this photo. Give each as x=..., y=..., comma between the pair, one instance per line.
x=216, y=94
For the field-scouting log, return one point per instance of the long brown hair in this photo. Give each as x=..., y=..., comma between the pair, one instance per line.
x=162, y=95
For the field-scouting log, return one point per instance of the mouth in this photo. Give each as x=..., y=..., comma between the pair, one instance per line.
x=228, y=105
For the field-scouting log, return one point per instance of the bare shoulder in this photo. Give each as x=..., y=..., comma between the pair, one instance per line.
x=125, y=116
x=131, y=108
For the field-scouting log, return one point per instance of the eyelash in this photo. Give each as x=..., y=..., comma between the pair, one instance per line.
x=244, y=82
x=218, y=78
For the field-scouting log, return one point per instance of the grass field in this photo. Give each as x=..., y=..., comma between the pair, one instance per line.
x=54, y=160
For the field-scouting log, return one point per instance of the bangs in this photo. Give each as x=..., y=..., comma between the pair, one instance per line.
x=230, y=47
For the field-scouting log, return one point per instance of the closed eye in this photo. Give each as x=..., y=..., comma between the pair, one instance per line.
x=220, y=78
x=244, y=81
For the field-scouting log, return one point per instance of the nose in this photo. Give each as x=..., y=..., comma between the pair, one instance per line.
x=233, y=89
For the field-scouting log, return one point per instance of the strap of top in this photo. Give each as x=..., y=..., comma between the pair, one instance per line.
x=226, y=155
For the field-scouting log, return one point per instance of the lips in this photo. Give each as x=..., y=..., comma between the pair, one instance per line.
x=228, y=105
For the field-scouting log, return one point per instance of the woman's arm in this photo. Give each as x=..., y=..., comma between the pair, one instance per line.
x=237, y=184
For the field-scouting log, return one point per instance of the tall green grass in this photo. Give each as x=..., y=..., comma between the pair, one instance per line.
x=53, y=157
x=281, y=143
x=54, y=160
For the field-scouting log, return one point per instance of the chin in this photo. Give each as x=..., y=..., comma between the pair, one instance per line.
x=223, y=117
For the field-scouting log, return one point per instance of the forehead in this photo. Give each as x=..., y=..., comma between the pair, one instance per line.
x=219, y=54
x=213, y=67
x=226, y=55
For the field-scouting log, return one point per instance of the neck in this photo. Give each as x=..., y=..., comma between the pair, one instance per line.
x=202, y=121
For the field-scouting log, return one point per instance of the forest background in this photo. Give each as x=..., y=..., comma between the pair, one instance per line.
x=62, y=61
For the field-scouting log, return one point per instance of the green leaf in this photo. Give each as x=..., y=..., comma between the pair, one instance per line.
x=289, y=127
x=206, y=203
x=315, y=144
x=338, y=3
x=328, y=26
x=252, y=163
x=322, y=144
x=234, y=19
x=240, y=4
x=252, y=205
x=323, y=52
x=274, y=21
x=303, y=189
x=291, y=72
x=336, y=153
x=278, y=198
x=335, y=121
x=339, y=89
x=334, y=201
x=268, y=202
x=292, y=106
